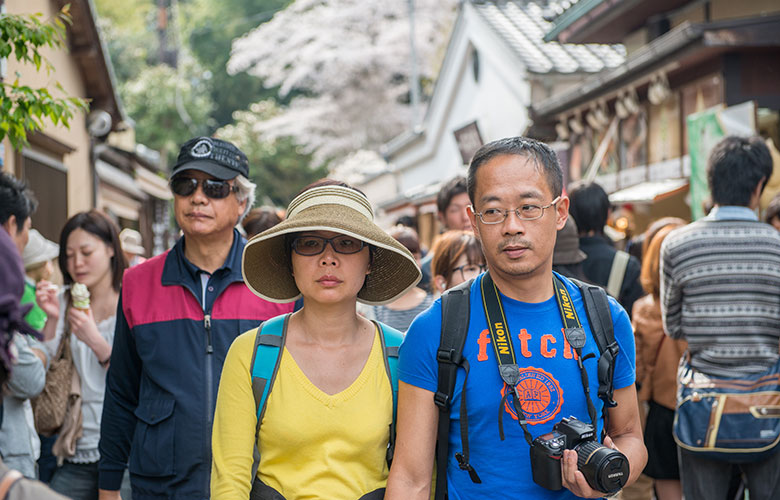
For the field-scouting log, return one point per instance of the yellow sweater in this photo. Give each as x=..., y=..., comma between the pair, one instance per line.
x=312, y=445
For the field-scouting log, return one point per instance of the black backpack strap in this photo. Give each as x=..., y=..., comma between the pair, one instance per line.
x=600, y=319
x=454, y=327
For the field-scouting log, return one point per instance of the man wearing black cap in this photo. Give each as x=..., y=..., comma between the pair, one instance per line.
x=179, y=312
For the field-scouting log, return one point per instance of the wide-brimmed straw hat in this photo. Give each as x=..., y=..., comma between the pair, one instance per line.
x=265, y=263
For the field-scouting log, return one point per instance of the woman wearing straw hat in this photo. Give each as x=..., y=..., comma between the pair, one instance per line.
x=325, y=425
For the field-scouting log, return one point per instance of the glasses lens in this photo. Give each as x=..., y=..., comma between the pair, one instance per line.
x=216, y=189
x=184, y=186
x=308, y=245
x=531, y=211
x=492, y=216
x=346, y=244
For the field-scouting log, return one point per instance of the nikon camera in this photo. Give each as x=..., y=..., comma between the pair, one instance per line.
x=605, y=469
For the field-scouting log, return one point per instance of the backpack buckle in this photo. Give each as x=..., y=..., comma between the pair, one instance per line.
x=441, y=400
x=448, y=356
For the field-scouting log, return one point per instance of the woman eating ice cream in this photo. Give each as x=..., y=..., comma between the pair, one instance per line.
x=83, y=314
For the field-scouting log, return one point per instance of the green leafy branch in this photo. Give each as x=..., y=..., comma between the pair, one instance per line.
x=24, y=109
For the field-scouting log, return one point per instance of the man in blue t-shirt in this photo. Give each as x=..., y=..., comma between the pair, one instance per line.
x=515, y=187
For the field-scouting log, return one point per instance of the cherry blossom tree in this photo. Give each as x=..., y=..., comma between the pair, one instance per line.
x=346, y=65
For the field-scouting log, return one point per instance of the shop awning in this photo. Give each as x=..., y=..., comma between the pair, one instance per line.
x=118, y=179
x=123, y=207
x=152, y=184
x=649, y=191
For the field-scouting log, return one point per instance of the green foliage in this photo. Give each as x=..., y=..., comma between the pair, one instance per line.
x=128, y=38
x=212, y=27
x=207, y=95
x=168, y=107
x=279, y=168
x=24, y=109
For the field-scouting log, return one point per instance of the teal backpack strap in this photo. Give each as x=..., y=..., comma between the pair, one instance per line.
x=266, y=357
x=391, y=341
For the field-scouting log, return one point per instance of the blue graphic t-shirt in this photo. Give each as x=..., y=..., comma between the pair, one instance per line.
x=550, y=384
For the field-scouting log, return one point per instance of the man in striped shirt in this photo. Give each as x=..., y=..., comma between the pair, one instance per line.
x=720, y=291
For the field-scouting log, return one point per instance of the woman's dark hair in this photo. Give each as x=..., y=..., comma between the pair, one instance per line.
x=407, y=237
x=590, y=208
x=259, y=219
x=736, y=167
x=99, y=225
x=448, y=248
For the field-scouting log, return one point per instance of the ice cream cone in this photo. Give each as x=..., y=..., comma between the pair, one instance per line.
x=80, y=297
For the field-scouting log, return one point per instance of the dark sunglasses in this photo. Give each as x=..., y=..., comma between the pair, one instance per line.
x=213, y=188
x=315, y=245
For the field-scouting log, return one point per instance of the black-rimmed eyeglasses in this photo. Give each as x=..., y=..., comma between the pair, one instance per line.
x=525, y=212
x=315, y=245
x=213, y=188
x=469, y=271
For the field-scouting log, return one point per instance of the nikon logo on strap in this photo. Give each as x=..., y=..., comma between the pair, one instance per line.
x=568, y=311
x=502, y=343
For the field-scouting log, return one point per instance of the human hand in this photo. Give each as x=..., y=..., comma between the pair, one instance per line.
x=82, y=325
x=46, y=297
x=574, y=480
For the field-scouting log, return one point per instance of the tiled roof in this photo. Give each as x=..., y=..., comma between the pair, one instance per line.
x=522, y=25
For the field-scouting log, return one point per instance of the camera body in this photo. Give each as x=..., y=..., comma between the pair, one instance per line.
x=605, y=469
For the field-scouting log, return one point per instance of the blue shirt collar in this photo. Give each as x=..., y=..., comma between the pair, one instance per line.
x=731, y=212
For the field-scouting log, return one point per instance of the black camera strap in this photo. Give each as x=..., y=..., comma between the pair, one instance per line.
x=505, y=354
x=575, y=336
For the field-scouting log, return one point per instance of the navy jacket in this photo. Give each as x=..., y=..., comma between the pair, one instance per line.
x=166, y=362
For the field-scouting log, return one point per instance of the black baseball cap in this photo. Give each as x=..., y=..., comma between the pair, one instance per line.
x=216, y=157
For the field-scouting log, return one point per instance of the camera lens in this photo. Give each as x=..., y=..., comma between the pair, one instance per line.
x=605, y=469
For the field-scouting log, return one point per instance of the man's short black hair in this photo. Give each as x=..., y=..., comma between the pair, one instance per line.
x=736, y=166
x=544, y=159
x=589, y=205
x=15, y=199
x=453, y=188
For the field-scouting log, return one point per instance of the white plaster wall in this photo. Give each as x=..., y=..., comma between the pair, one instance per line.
x=498, y=102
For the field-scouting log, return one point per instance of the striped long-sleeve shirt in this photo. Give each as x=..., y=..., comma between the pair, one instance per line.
x=720, y=291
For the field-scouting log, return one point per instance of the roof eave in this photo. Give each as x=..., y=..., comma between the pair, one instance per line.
x=659, y=48
x=680, y=38
x=570, y=16
x=93, y=56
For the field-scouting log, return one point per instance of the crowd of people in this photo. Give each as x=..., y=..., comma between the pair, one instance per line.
x=309, y=353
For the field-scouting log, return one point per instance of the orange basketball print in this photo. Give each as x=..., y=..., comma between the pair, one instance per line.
x=541, y=396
